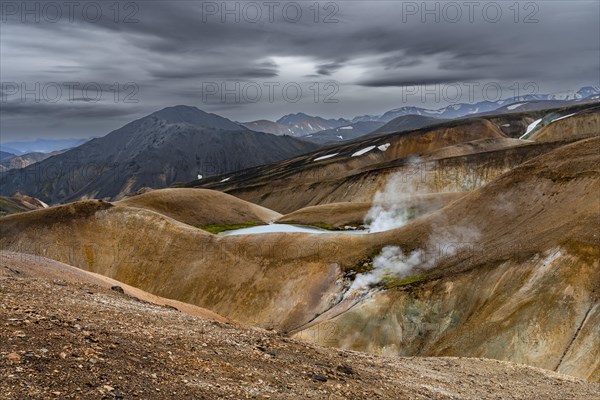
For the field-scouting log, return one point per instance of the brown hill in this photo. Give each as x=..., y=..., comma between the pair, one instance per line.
x=78, y=339
x=527, y=265
x=237, y=276
x=524, y=286
x=338, y=215
x=200, y=207
x=488, y=145
x=323, y=186
x=30, y=267
x=470, y=152
x=571, y=126
x=19, y=203
x=452, y=157
x=305, y=181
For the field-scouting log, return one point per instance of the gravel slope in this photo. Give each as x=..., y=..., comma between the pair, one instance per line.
x=79, y=340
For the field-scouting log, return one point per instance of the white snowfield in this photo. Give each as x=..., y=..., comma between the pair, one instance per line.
x=326, y=157
x=346, y=127
x=274, y=228
x=535, y=123
x=340, y=136
x=563, y=117
x=515, y=106
x=225, y=180
x=363, y=151
x=384, y=147
x=531, y=127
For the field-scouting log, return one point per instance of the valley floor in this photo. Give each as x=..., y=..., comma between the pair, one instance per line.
x=69, y=338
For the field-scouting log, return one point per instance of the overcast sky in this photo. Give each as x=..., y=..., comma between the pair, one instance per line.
x=250, y=60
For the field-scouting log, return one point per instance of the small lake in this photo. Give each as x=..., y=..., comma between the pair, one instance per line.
x=273, y=228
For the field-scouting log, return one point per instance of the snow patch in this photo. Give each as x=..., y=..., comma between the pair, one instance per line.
x=199, y=176
x=363, y=151
x=340, y=136
x=440, y=111
x=326, y=157
x=563, y=117
x=346, y=127
x=384, y=147
x=225, y=180
x=515, y=106
x=531, y=127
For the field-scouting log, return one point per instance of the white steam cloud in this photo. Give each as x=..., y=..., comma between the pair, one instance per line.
x=390, y=262
x=390, y=208
x=444, y=242
x=389, y=211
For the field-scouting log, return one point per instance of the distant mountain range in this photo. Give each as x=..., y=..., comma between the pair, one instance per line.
x=5, y=154
x=299, y=124
x=22, y=161
x=343, y=133
x=271, y=127
x=183, y=143
x=41, y=145
x=178, y=143
x=306, y=126
x=463, y=109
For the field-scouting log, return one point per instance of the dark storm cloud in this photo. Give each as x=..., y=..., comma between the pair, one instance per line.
x=421, y=79
x=231, y=73
x=374, y=47
x=400, y=60
x=10, y=109
x=328, y=69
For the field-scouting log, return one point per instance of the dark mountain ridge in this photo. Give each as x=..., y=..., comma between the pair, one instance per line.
x=176, y=144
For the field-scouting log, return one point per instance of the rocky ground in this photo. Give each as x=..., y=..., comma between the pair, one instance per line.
x=69, y=339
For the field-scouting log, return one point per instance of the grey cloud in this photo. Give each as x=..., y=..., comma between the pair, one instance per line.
x=413, y=79
x=61, y=110
x=329, y=68
x=240, y=73
x=171, y=50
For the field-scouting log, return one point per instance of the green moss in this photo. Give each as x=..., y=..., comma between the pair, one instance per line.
x=9, y=206
x=391, y=281
x=411, y=213
x=218, y=228
x=363, y=265
x=324, y=225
